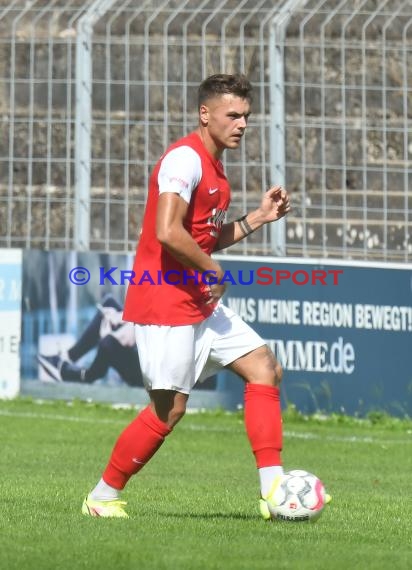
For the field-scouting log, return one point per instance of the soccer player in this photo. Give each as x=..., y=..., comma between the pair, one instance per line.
x=184, y=333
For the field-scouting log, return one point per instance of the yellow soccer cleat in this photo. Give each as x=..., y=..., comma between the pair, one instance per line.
x=328, y=498
x=106, y=509
x=264, y=510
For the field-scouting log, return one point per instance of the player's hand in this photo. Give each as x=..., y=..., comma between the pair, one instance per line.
x=275, y=204
x=215, y=292
x=215, y=289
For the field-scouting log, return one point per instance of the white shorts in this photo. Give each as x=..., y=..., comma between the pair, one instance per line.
x=175, y=358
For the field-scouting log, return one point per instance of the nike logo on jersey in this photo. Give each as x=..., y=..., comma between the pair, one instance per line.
x=213, y=190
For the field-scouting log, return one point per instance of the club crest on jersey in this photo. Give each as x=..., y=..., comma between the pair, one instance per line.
x=216, y=220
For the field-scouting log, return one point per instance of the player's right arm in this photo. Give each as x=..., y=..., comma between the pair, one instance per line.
x=179, y=174
x=173, y=236
x=171, y=233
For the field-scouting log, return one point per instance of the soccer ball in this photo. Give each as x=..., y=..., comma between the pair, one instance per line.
x=296, y=496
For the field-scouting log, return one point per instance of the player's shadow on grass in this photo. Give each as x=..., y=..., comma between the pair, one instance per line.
x=206, y=516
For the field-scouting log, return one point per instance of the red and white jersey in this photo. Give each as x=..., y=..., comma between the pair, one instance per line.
x=189, y=170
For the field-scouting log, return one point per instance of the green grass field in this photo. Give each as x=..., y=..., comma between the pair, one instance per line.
x=195, y=505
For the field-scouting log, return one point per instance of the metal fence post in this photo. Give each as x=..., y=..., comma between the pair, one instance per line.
x=277, y=112
x=83, y=123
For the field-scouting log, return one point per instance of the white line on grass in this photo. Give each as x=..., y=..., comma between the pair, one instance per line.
x=56, y=417
x=192, y=427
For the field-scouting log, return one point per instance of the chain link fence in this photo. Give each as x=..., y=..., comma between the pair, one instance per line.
x=92, y=92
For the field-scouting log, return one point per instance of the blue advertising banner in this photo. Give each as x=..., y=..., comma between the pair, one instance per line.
x=343, y=332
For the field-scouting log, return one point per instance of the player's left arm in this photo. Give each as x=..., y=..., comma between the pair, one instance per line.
x=275, y=205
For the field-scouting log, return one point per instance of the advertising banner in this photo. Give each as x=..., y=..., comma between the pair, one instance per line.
x=343, y=333
x=10, y=321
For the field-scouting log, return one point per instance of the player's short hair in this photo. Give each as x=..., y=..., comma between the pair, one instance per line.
x=221, y=83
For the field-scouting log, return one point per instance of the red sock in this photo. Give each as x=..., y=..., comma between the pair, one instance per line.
x=135, y=446
x=263, y=422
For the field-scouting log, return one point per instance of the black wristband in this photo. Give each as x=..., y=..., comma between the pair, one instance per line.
x=244, y=226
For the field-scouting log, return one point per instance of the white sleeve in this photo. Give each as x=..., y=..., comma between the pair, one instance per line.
x=180, y=172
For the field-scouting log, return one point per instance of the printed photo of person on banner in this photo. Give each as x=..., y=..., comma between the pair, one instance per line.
x=115, y=345
x=74, y=333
